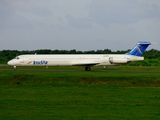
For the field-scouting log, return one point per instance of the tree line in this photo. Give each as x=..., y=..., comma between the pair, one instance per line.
x=6, y=55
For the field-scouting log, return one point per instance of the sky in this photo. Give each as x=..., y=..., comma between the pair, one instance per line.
x=78, y=24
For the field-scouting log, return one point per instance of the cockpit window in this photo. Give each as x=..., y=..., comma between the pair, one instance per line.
x=16, y=57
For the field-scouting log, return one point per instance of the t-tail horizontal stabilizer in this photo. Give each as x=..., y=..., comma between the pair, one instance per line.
x=139, y=49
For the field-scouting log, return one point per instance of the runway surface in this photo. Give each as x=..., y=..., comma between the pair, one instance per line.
x=107, y=71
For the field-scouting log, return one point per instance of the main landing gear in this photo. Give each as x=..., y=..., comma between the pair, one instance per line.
x=87, y=68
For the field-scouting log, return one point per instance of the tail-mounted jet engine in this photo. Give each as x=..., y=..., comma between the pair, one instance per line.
x=119, y=60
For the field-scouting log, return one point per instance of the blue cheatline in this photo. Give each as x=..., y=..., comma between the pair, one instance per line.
x=139, y=49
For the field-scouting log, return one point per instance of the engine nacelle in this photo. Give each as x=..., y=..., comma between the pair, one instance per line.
x=119, y=60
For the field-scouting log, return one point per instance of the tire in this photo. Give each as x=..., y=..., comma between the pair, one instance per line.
x=87, y=68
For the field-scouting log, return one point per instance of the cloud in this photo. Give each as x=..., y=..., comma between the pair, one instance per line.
x=104, y=12
x=22, y=14
x=78, y=22
x=16, y=21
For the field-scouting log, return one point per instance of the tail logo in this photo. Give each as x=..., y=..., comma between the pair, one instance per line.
x=139, y=50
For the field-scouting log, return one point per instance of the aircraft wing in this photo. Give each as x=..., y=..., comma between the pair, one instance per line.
x=85, y=64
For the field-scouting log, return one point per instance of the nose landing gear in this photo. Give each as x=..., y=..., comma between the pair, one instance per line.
x=87, y=68
x=15, y=67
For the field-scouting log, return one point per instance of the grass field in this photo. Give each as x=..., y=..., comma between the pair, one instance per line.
x=113, y=93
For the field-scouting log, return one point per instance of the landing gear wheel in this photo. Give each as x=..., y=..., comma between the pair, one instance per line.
x=14, y=67
x=87, y=68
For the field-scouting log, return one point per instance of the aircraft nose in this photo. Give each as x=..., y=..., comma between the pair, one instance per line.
x=10, y=62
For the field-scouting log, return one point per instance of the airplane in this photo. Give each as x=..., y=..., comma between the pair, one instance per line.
x=86, y=60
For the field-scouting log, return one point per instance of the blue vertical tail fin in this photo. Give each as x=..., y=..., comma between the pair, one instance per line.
x=139, y=49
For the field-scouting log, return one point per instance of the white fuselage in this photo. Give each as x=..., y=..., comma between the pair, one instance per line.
x=73, y=60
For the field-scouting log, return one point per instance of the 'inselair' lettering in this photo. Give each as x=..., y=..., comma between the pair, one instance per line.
x=42, y=62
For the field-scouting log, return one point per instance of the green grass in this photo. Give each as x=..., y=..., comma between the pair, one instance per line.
x=71, y=93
